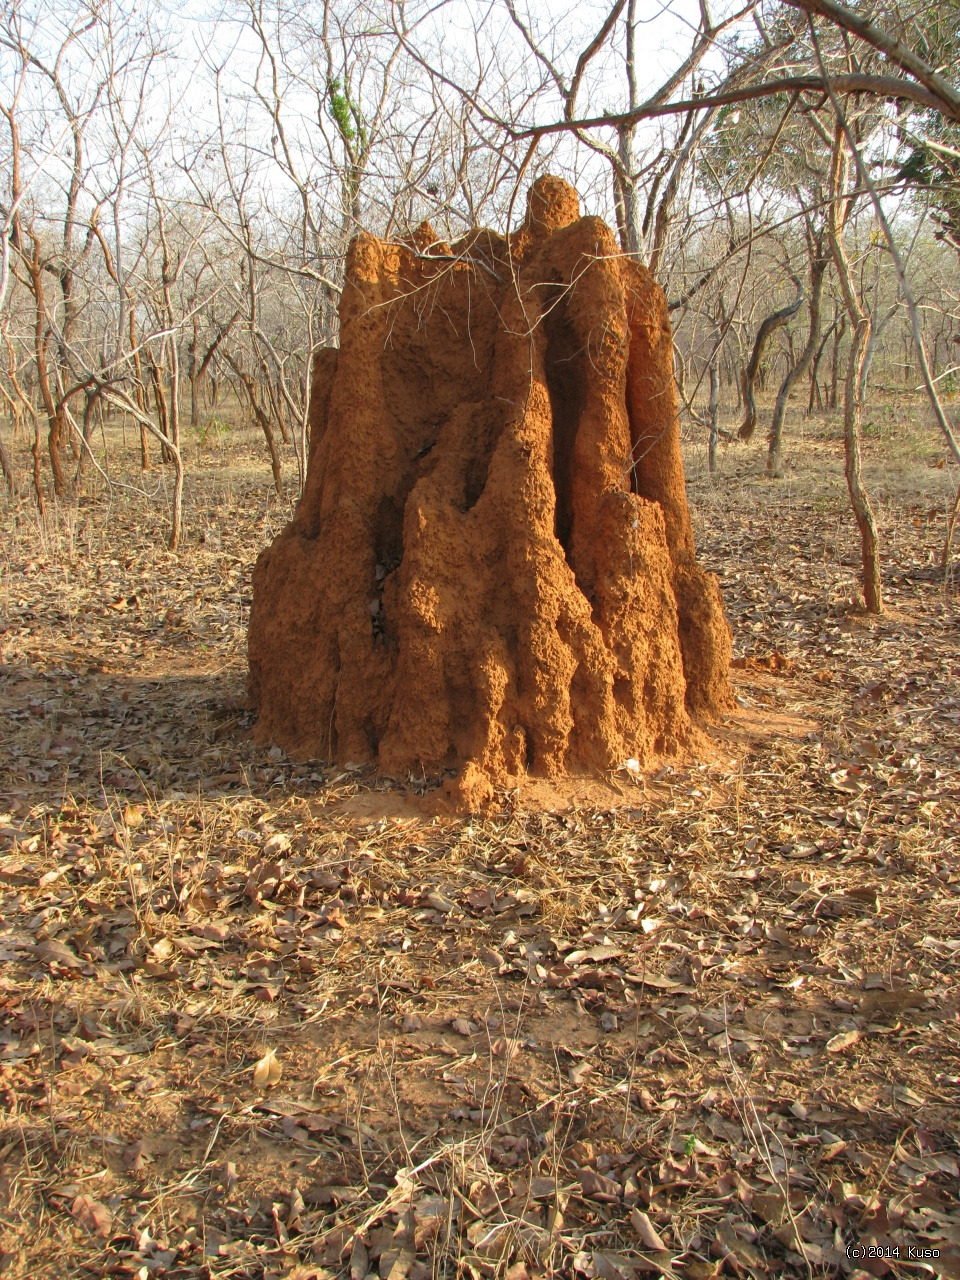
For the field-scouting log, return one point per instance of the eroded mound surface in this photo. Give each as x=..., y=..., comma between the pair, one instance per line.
x=491, y=568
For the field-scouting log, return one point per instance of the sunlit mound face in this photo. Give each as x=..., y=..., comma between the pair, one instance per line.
x=491, y=569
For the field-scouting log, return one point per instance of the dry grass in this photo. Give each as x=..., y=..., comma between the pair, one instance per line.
x=268, y=1019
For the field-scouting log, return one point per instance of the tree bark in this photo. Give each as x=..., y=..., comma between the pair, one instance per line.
x=818, y=267
x=951, y=528
x=835, y=370
x=854, y=384
x=37, y=469
x=6, y=467
x=769, y=327
x=859, y=500
x=263, y=420
x=713, y=405
x=176, y=522
x=50, y=406
x=160, y=403
x=93, y=398
x=193, y=372
x=816, y=400
x=626, y=198
x=140, y=396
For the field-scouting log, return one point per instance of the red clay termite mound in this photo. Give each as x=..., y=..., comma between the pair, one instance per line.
x=491, y=568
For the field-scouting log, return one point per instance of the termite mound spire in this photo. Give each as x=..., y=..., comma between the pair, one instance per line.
x=491, y=569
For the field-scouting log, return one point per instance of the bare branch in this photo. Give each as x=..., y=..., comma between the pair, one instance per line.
x=941, y=90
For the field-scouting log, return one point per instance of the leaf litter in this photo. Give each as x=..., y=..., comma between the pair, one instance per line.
x=268, y=1019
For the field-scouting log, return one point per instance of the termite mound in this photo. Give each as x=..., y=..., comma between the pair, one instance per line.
x=491, y=569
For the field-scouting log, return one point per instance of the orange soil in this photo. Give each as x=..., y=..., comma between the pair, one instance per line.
x=491, y=568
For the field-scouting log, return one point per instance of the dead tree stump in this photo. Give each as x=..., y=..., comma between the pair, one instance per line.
x=491, y=569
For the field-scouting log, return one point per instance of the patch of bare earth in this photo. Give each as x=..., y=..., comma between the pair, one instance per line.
x=266, y=1019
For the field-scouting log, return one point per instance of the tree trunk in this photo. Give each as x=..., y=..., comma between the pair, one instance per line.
x=855, y=381
x=176, y=520
x=37, y=470
x=52, y=410
x=140, y=396
x=816, y=400
x=61, y=485
x=626, y=196
x=176, y=515
x=753, y=376
x=626, y=200
x=6, y=467
x=737, y=379
x=160, y=402
x=713, y=406
x=193, y=374
x=774, y=453
x=82, y=461
x=951, y=529
x=835, y=371
x=859, y=500
x=263, y=421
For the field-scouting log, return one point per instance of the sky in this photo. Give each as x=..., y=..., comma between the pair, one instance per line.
x=199, y=47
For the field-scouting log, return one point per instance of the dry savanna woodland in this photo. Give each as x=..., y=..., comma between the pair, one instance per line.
x=479, y=640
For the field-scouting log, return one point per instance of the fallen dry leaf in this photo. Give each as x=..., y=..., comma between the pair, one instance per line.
x=649, y=1236
x=92, y=1215
x=845, y=1040
x=57, y=953
x=266, y=1070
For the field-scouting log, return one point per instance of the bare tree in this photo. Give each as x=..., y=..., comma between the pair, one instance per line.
x=859, y=317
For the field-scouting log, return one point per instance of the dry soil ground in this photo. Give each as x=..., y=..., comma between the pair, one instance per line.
x=263, y=1019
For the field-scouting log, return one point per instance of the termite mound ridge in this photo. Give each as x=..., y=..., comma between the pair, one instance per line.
x=491, y=568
